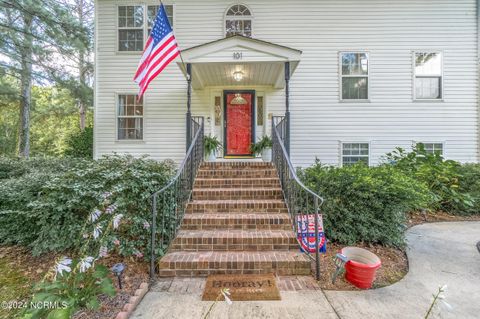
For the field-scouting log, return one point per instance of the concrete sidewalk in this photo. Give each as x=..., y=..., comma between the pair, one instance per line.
x=439, y=254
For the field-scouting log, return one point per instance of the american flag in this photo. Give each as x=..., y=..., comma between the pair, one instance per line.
x=161, y=49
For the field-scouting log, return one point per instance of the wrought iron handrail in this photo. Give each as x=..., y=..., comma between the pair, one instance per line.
x=170, y=201
x=301, y=201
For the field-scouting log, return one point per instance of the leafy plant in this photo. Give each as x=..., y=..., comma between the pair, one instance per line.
x=442, y=177
x=264, y=143
x=365, y=204
x=469, y=183
x=80, y=144
x=211, y=144
x=75, y=284
x=46, y=209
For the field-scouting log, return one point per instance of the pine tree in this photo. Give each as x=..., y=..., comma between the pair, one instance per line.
x=34, y=36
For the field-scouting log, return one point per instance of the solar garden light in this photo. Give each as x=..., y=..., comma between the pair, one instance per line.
x=117, y=270
x=340, y=261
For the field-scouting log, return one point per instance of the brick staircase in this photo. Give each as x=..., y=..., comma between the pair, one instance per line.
x=236, y=223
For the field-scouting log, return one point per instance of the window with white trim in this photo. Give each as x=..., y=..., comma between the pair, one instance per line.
x=354, y=75
x=129, y=117
x=132, y=29
x=428, y=76
x=355, y=152
x=433, y=148
x=238, y=21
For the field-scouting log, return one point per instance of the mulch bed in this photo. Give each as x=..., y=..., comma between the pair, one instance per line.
x=35, y=268
x=416, y=218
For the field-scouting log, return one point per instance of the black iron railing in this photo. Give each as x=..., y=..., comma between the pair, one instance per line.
x=302, y=203
x=169, y=203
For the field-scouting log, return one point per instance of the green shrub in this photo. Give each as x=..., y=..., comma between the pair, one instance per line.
x=50, y=214
x=79, y=144
x=469, y=183
x=365, y=204
x=442, y=177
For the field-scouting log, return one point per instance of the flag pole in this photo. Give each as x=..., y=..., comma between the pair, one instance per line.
x=187, y=76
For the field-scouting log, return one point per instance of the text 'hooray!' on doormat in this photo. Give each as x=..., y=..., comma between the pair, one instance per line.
x=242, y=287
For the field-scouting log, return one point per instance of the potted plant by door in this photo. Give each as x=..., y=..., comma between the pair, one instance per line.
x=211, y=145
x=264, y=147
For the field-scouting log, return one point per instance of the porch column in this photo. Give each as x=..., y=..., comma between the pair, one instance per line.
x=189, y=105
x=287, y=107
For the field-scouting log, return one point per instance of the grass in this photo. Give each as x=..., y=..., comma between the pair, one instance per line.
x=14, y=287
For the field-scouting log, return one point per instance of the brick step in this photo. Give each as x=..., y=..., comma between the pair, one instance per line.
x=189, y=264
x=236, y=221
x=236, y=182
x=234, y=240
x=236, y=193
x=236, y=165
x=236, y=173
x=237, y=206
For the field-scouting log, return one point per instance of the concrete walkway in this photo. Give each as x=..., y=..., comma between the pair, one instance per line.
x=439, y=254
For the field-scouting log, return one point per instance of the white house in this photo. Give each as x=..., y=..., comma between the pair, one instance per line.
x=365, y=77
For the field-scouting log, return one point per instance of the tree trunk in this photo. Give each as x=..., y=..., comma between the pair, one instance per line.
x=25, y=88
x=81, y=70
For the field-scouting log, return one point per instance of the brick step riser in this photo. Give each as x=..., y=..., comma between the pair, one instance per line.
x=236, y=166
x=235, y=175
x=233, y=244
x=236, y=268
x=236, y=183
x=204, y=194
x=206, y=224
x=235, y=210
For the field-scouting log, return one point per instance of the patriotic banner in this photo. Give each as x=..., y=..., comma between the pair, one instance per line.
x=161, y=49
x=306, y=233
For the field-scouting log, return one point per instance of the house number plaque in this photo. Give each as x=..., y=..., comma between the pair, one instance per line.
x=237, y=55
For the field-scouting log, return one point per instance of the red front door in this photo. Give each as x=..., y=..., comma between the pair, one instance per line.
x=239, y=119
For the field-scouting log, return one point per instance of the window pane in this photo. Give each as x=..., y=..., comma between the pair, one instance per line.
x=354, y=64
x=218, y=111
x=428, y=63
x=130, y=40
x=428, y=88
x=350, y=160
x=238, y=10
x=240, y=27
x=433, y=147
x=130, y=128
x=355, y=88
x=260, y=111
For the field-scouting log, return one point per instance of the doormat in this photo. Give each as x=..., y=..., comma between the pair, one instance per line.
x=242, y=287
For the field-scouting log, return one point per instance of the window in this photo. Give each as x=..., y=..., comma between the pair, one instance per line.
x=428, y=75
x=130, y=118
x=238, y=21
x=152, y=14
x=218, y=111
x=260, y=111
x=354, y=76
x=354, y=152
x=432, y=148
x=132, y=29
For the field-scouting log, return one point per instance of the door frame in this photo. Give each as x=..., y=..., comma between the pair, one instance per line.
x=225, y=118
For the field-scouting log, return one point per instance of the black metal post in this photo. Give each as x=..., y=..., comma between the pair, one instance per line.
x=287, y=107
x=189, y=105
x=317, y=253
x=152, y=244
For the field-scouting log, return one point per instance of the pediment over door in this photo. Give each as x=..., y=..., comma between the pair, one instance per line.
x=262, y=62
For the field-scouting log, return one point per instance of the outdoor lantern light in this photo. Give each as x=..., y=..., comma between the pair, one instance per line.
x=238, y=76
x=117, y=270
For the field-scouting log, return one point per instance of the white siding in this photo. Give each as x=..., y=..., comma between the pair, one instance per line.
x=388, y=30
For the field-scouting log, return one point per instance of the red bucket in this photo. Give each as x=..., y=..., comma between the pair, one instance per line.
x=361, y=266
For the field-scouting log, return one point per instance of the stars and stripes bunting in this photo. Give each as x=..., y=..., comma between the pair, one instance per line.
x=161, y=49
